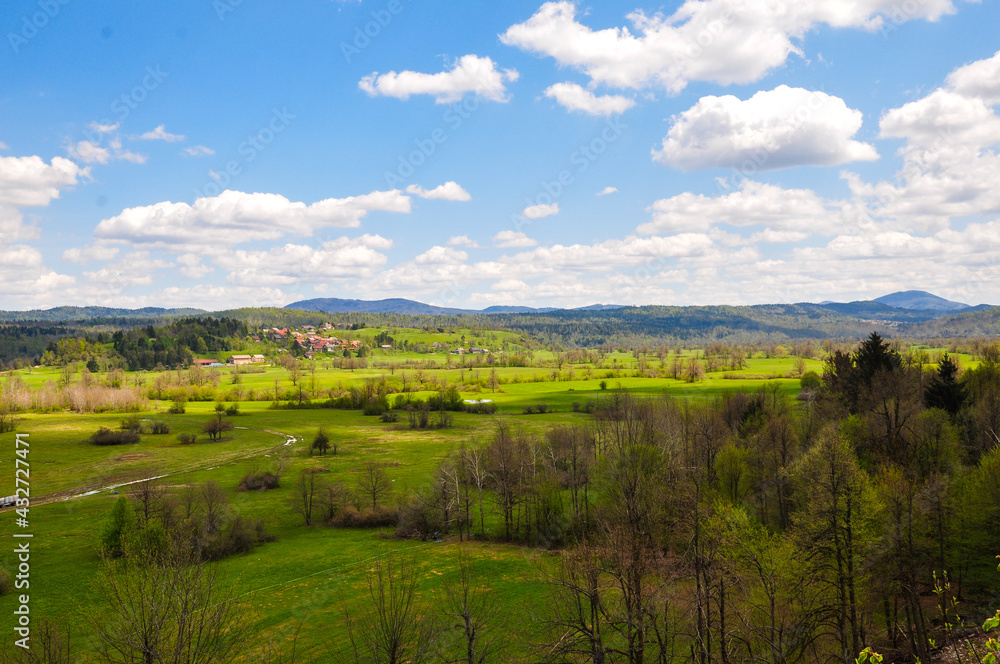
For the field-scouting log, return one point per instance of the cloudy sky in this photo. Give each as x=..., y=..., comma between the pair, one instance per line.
x=219, y=153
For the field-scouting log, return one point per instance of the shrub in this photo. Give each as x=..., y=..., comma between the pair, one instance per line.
x=105, y=436
x=187, y=438
x=257, y=480
x=528, y=410
x=542, y=408
x=380, y=517
x=321, y=443
x=390, y=416
x=178, y=407
x=233, y=409
x=215, y=428
x=159, y=428
x=811, y=381
x=133, y=424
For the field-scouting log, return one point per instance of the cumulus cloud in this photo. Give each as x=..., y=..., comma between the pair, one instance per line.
x=469, y=74
x=773, y=129
x=540, y=211
x=90, y=253
x=134, y=269
x=449, y=191
x=950, y=160
x=574, y=97
x=508, y=239
x=979, y=80
x=462, y=241
x=160, y=134
x=235, y=217
x=340, y=259
x=30, y=182
x=607, y=191
x=753, y=204
x=721, y=41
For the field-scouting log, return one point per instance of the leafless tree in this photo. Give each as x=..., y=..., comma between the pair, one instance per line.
x=374, y=484
x=387, y=629
x=475, y=616
x=167, y=611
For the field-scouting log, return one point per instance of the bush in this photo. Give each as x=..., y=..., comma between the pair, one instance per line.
x=373, y=408
x=528, y=410
x=381, y=517
x=233, y=409
x=542, y=408
x=158, y=428
x=604, y=384
x=187, y=438
x=481, y=408
x=133, y=424
x=390, y=416
x=178, y=407
x=257, y=480
x=105, y=436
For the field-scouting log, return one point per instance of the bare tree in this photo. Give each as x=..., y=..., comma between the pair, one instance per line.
x=307, y=488
x=475, y=614
x=166, y=611
x=374, y=484
x=387, y=628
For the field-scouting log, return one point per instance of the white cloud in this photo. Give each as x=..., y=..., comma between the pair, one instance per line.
x=87, y=254
x=607, y=191
x=470, y=74
x=577, y=98
x=754, y=204
x=92, y=153
x=340, y=259
x=3, y=146
x=441, y=256
x=508, y=239
x=235, y=217
x=979, y=79
x=30, y=182
x=462, y=241
x=540, y=211
x=160, y=134
x=133, y=269
x=198, y=151
x=105, y=128
x=773, y=129
x=192, y=267
x=950, y=158
x=721, y=41
x=27, y=283
x=449, y=191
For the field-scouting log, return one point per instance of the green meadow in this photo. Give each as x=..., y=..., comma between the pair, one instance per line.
x=307, y=578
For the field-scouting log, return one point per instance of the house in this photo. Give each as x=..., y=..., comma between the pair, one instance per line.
x=478, y=351
x=239, y=360
x=458, y=351
x=437, y=345
x=205, y=363
x=308, y=328
x=258, y=359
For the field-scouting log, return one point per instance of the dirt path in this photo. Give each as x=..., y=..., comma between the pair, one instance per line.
x=207, y=465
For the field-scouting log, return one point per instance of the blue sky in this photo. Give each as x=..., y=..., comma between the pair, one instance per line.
x=231, y=153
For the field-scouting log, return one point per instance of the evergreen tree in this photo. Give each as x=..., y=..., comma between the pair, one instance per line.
x=944, y=391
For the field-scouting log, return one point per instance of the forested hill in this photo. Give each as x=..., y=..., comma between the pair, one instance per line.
x=90, y=314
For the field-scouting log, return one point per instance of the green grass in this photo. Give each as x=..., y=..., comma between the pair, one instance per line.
x=308, y=576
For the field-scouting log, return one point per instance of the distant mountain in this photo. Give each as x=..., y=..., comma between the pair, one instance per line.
x=68, y=314
x=921, y=301
x=401, y=306
x=332, y=305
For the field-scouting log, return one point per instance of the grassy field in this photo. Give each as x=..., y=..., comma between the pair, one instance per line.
x=309, y=575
